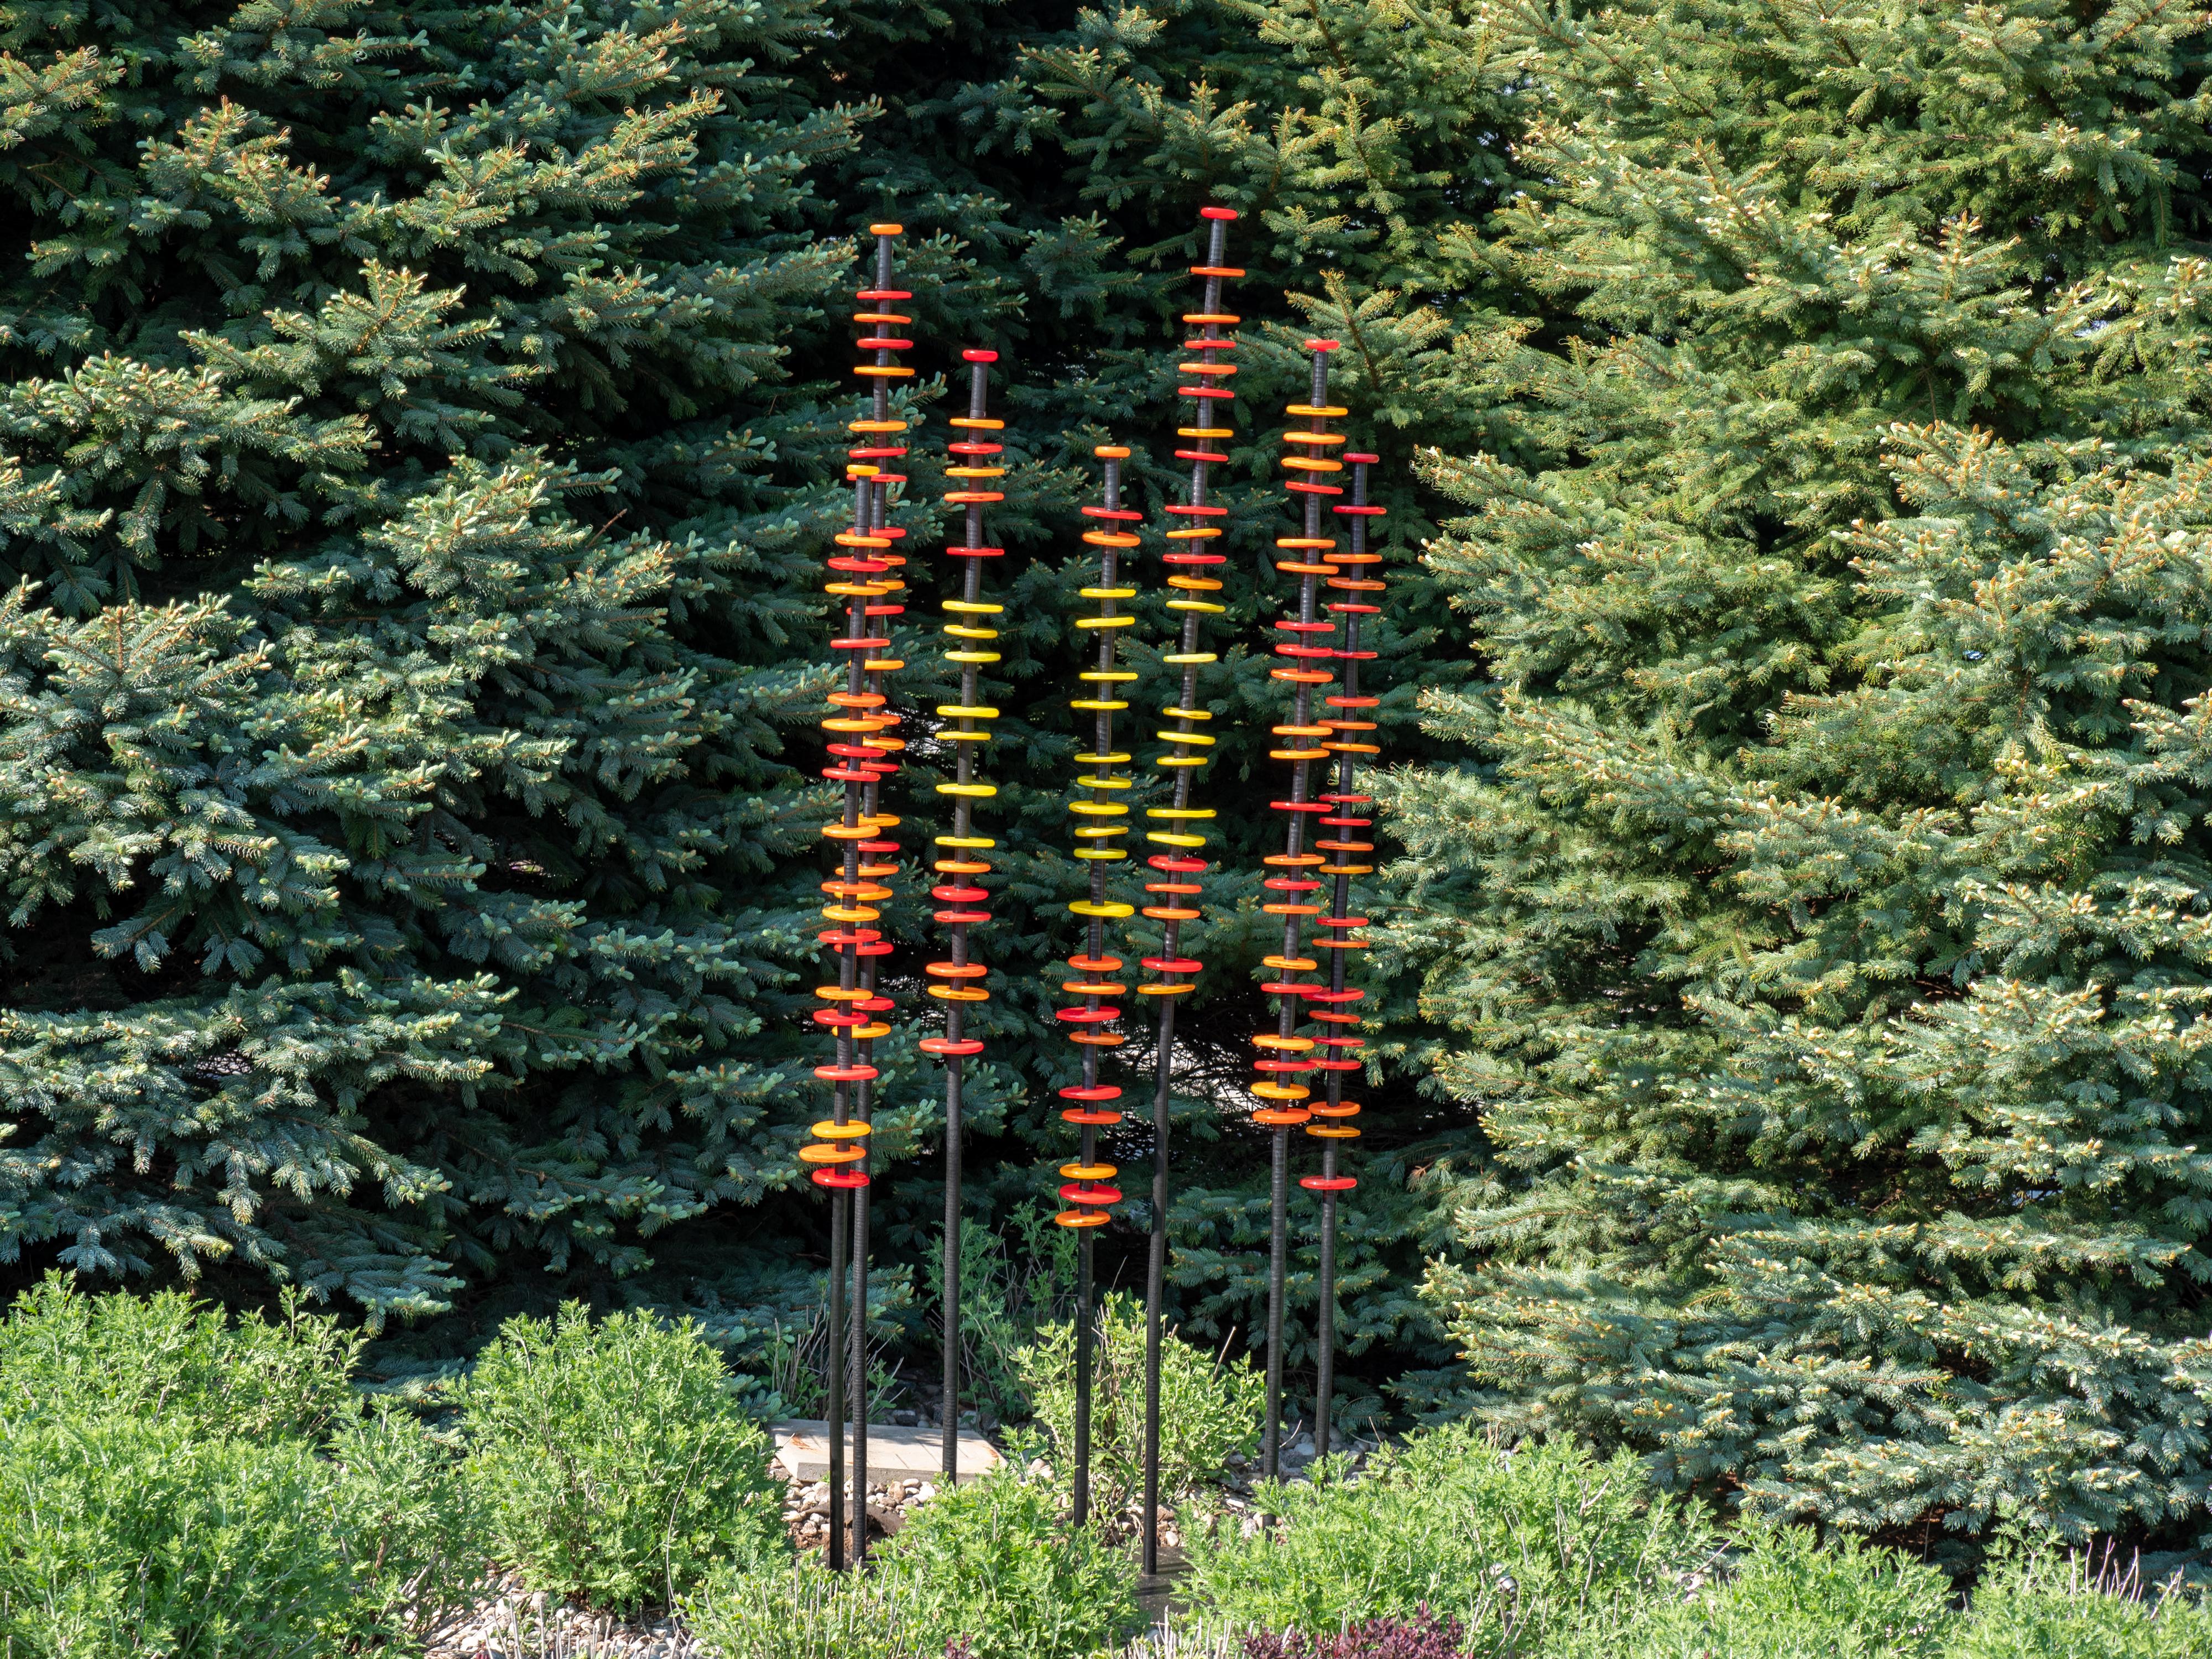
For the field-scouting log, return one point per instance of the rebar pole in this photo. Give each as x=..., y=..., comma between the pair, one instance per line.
x=949, y=1362
x=1156, y=1266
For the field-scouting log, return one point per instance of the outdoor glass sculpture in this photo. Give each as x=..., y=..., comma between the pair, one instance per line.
x=863, y=575
x=1099, y=827
x=1180, y=832
x=960, y=868
x=1353, y=575
x=1286, y=1053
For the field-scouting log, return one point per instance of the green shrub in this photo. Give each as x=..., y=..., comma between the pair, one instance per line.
x=613, y=1461
x=1518, y=1546
x=1789, y=1596
x=993, y=1564
x=802, y=1610
x=121, y=1537
x=1208, y=1410
x=409, y=1525
x=2041, y=1608
x=167, y=1357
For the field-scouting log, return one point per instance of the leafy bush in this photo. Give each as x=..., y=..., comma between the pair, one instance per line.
x=1518, y=1545
x=803, y=1611
x=122, y=1537
x=408, y=1522
x=167, y=1357
x=1423, y=1637
x=173, y=1482
x=1208, y=1409
x=994, y=1565
x=612, y=1458
x=1789, y=1596
x=2041, y=1608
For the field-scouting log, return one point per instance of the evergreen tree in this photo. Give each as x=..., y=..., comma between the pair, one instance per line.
x=1822, y=914
x=419, y=434
x=414, y=506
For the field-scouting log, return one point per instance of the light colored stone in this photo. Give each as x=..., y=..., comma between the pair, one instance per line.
x=895, y=1451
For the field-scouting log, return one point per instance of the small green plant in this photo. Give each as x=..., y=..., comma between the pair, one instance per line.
x=790, y=1360
x=64, y=1356
x=801, y=1610
x=1787, y=1595
x=122, y=1537
x=613, y=1461
x=1208, y=1410
x=2076, y=1606
x=787, y=1363
x=1011, y=1284
x=1518, y=1545
x=994, y=1566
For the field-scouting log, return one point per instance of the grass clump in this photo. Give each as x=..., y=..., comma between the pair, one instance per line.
x=2046, y=1607
x=1208, y=1410
x=1520, y=1546
x=614, y=1461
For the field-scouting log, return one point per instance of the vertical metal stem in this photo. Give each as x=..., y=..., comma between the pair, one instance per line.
x=963, y=842
x=841, y=1226
x=1271, y=1446
x=858, y=1360
x=950, y=1408
x=1155, y=1269
x=1085, y=1325
x=1325, y=1332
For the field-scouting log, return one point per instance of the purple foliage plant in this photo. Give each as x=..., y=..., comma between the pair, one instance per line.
x=1422, y=1636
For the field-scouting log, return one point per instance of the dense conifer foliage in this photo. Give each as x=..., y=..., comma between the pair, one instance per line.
x=1824, y=915
x=422, y=428
x=407, y=492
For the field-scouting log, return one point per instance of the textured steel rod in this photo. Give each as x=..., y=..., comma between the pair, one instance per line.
x=1084, y=1321
x=1156, y=1268
x=840, y=1225
x=1271, y=1444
